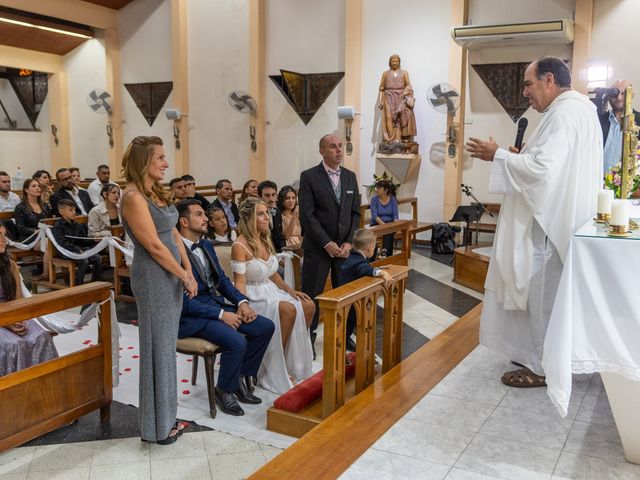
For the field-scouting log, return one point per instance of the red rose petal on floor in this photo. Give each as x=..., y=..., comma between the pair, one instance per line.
x=189, y=359
x=135, y=356
x=127, y=369
x=134, y=322
x=184, y=380
x=129, y=348
x=87, y=342
x=186, y=392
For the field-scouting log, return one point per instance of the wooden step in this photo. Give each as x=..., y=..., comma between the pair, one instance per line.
x=470, y=268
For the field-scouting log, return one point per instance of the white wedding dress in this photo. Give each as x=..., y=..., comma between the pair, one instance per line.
x=264, y=296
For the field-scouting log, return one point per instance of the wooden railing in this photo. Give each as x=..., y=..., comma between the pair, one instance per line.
x=363, y=295
x=44, y=397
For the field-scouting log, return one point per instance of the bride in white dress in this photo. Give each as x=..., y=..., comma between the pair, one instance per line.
x=255, y=271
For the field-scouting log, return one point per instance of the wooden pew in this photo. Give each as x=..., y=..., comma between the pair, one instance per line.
x=16, y=254
x=416, y=226
x=47, y=396
x=335, y=304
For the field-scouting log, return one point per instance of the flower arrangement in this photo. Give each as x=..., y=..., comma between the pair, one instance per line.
x=613, y=178
x=371, y=188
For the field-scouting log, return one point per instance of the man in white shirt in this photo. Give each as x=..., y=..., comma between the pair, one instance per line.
x=102, y=180
x=550, y=189
x=8, y=199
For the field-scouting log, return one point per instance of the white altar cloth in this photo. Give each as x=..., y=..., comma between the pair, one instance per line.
x=595, y=322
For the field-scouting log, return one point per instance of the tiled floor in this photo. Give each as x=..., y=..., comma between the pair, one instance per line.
x=469, y=427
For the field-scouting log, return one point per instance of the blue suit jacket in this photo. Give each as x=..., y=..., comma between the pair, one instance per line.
x=207, y=304
x=354, y=267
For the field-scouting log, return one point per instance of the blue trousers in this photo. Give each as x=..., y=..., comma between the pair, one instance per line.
x=243, y=348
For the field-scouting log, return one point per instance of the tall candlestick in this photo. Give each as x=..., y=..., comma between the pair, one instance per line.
x=620, y=210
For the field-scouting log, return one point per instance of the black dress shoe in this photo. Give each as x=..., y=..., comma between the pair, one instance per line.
x=227, y=403
x=351, y=345
x=249, y=382
x=244, y=396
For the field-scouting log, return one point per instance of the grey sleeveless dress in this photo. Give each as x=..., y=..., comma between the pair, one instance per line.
x=159, y=300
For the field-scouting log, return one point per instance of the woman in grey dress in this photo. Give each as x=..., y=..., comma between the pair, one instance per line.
x=159, y=273
x=22, y=344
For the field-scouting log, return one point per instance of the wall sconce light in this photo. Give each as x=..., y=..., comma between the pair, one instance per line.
x=110, y=135
x=347, y=113
x=176, y=135
x=54, y=132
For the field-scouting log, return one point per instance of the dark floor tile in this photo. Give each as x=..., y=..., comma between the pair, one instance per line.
x=412, y=340
x=448, y=298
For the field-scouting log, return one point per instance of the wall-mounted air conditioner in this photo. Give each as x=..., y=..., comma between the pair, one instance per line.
x=550, y=31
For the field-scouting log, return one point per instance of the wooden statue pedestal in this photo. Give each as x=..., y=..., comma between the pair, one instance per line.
x=470, y=268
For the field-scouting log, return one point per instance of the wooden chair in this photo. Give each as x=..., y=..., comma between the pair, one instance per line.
x=121, y=270
x=199, y=347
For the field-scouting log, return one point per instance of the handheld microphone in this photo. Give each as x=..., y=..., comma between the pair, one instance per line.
x=606, y=92
x=522, y=126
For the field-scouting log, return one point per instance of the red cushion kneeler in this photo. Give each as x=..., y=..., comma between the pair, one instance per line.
x=310, y=390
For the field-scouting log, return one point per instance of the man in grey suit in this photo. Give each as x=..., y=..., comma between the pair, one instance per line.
x=329, y=214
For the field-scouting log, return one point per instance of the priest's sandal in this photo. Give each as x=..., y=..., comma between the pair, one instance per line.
x=523, y=378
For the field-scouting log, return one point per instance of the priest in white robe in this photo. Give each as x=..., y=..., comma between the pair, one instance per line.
x=550, y=189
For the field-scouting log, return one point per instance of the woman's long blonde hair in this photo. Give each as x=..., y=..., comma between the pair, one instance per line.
x=135, y=164
x=248, y=229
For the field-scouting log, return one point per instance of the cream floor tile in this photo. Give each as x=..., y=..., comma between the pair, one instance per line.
x=219, y=442
x=460, y=474
x=235, y=466
x=527, y=427
x=379, y=465
x=188, y=445
x=593, y=440
x=16, y=460
x=13, y=476
x=536, y=400
x=270, y=452
x=579, y=467
x=472, y=388
x=119, y=451
x=450, y=412
x=595, y=408
x=424, y=325
x=124, y=471
x=59, y=457
x=508, y=459
x=435, y=444
x=63, y=474
x=190, y=468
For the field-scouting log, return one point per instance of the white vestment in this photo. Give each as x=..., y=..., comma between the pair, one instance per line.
x=550, y=190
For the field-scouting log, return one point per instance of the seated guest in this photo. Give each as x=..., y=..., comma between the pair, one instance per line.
x=64, y=232
x=103, y=174
x=288, y=207
x=224, y=200
x=190, y=183
x=22, y=344
x=357, y=266
x=235, y=327
x=66, y=190
x=105, y=215
x=249, y=189
x=178, y=189
x=219, y=230
x=8, y=199
x=44, y=179
x=384, y=209
x=268, y=192
x=76, y=179
x=31, y=210
x=255, y=271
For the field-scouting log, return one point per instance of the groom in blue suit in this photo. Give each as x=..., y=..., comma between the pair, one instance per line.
x=221, y=314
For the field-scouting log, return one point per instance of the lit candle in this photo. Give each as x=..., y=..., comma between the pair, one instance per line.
x=620, y=210
x=605, y=197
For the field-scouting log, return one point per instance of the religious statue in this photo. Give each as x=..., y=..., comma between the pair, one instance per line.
x=396, y=102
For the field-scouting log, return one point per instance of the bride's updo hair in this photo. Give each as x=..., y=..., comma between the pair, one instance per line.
x=248, y=228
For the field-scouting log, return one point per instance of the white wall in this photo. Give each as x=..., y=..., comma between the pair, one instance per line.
x=145, y=56
x=614, y=36
x=419, y=33
x=484, y=115
x=86, y=71
x=305, y=37
x=218, y=43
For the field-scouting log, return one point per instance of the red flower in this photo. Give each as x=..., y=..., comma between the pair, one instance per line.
x=186, y=392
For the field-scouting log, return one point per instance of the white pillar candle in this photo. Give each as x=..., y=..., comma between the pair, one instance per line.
x=605, y=197
x=620, y=210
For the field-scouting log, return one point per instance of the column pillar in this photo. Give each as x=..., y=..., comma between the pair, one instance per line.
x=257, y=79
x=581, y=44
x=59, y=118
x=353, y=76
x=180, y=81
x=113, y=84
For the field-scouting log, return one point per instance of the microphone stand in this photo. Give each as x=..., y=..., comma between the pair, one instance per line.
x=480, y=208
